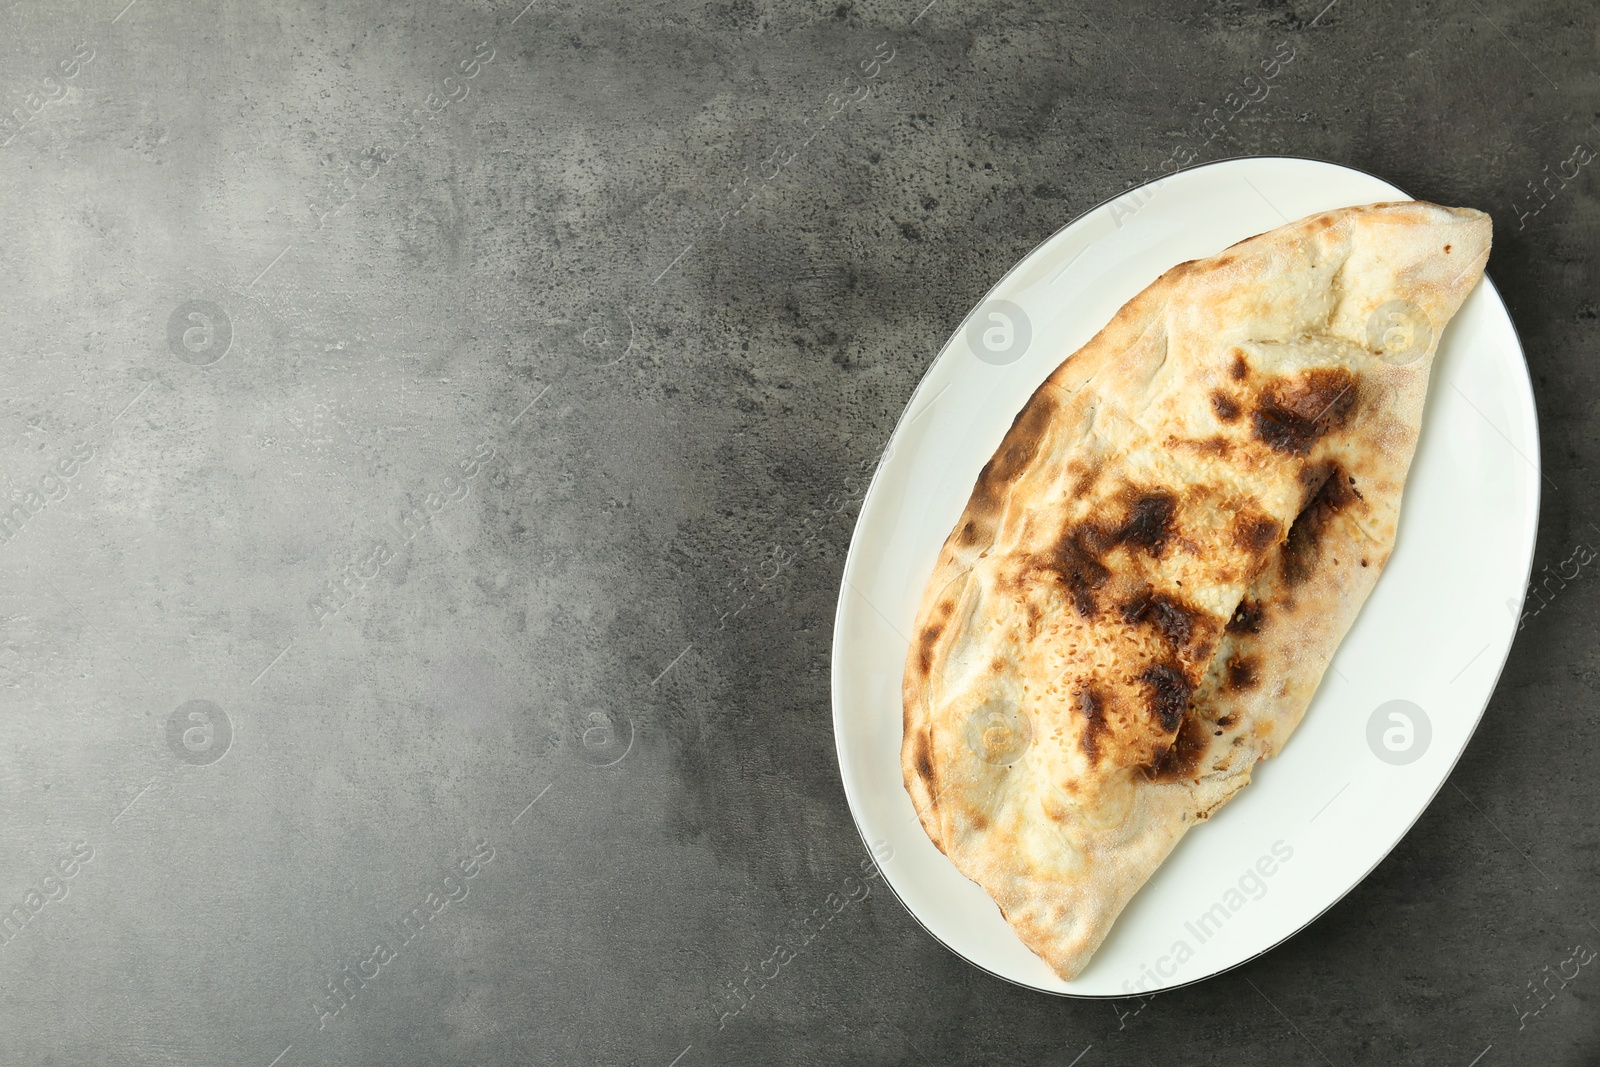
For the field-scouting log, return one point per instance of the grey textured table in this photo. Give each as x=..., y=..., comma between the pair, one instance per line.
x=431, y=435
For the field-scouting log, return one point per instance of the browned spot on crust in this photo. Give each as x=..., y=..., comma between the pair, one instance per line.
x=1292, y=413
x=1241, y=673
x=1247, y=618
x=1226, y=407
x=925, y=642
x=1020, y=444
x=1084, y=478
x=1210, y=446
x=1363, y=563
x=1225, y=722
x=1092, y=706
x=1149, y=521
x=1255, y=533
x=1239, y=369
x=1076, y=558
x=1181, y=269
x=1171, y=617
x=1182, y=759
x=967, y=536
x=1169, y=694
x=977, y=820
x=923, y=761
x=1303, y=546
x=1447, y=250
x=1313, y=477
x=1082, y=572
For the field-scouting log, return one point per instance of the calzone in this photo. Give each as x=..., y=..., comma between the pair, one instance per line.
x=1159, y=561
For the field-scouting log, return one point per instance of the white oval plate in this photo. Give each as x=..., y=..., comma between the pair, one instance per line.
x=1435, y=632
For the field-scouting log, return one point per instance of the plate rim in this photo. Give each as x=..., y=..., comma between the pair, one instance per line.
x=845, y=585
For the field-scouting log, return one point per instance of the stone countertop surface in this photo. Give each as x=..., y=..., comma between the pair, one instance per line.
x=430, y=433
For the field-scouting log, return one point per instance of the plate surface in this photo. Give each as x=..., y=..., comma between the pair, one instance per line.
x=1405, y=690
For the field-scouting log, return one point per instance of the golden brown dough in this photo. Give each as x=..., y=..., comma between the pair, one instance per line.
x=1158, y=563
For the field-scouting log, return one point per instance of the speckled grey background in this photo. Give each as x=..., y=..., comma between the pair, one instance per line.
x=462, y=402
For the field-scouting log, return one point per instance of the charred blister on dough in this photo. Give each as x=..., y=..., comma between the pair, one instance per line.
x=1293, y=413
x=1149, y=521
x=1311, y=477
x=926, y=640
x=1170, y=616
x=1239, y=369
x=1255, y=533
x=1302, y=548
x=1020, y=445
x=1226, y=407
x=923, y=761
x=1080, y=569
x=1247, y=617
x=1091, y=705
x=1181, y=760
x=1077, y=558
x=1170, y=689
x=1241, y=673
